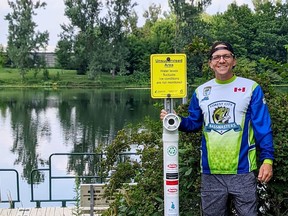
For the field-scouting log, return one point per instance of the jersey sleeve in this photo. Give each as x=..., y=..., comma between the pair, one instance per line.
x=194, y=121
x=261, y=123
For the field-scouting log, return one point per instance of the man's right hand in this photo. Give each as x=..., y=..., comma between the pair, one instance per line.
x=163, y=114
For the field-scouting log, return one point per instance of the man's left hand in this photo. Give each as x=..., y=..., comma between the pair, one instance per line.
x=265, y=173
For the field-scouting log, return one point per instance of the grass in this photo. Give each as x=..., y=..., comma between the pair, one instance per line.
x=60, y=78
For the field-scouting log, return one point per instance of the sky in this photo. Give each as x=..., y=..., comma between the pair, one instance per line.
x=52, y=16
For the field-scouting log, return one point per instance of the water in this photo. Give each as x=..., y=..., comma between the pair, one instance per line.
x=37, y=123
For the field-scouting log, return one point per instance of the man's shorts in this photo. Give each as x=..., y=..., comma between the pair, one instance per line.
x=216, y=188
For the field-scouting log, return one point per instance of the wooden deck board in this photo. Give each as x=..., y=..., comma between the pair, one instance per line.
x=23, y=212
x=5, y=212
x=67, y=211
x=33, y=211
x=49, y=211
x=44, y=211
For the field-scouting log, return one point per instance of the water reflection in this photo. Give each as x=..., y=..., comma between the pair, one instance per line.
x=38, y=123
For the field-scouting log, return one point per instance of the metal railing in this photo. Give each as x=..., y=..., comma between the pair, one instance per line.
x=10, y=200
x=99, y=178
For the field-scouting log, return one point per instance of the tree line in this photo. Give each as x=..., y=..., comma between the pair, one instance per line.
x=104, y=36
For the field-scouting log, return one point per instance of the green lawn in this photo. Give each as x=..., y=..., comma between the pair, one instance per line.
x=60, y=78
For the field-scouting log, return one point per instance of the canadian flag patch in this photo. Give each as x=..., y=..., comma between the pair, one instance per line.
x=243, y=89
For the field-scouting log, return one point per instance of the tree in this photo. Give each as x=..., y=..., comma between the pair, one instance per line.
x=84, y=17
x=257, y=3
x=188, y=20
x=22, y=38
x=64, y=49
x=239, y=26
x=111, y=51
x=259, y=34
x=152, y=14
x=98, y=40
x=189, y=26
x=3, y=58
x=271, y=33
x=155, y=36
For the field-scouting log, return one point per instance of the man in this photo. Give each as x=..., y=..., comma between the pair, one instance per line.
x=235, y=120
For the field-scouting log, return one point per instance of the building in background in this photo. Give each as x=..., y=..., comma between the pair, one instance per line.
x=48, y=57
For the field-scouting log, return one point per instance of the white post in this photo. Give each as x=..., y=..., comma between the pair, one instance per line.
x=171, y=168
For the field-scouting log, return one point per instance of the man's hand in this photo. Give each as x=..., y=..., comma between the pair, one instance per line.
x=265, y=173
x=163, y=114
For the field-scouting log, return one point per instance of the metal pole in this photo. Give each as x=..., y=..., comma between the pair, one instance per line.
x=168, y=105
x=170, y=154
x=91, y=200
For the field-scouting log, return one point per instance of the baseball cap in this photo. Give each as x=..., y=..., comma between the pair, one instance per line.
x=214, y=48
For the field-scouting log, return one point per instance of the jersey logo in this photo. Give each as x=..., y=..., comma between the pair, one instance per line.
x=206, y=93
x=243, y=89
x=222, y=117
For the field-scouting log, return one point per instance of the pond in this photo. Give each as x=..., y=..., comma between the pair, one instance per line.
x=37, y=123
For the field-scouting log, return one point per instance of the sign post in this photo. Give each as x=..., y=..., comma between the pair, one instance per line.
x=168, y=81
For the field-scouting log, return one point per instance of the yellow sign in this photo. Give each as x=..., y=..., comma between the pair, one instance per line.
x=168, y=75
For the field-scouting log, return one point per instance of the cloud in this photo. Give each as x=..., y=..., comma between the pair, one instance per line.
x=4, y=5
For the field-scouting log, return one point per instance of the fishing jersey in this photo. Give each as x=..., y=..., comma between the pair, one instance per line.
x=234, y=118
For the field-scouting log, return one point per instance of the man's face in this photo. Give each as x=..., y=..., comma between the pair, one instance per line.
x=222, y=62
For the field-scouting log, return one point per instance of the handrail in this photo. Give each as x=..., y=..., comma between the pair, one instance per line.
x=51, y=177
x=12, y=201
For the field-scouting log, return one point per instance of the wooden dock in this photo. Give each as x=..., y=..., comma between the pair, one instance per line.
x=91, y=196
x=47, y=211
x=43, y=211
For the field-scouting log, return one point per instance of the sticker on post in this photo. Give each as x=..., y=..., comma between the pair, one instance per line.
x=172, y=150
x=172, y=190
x=169, y=182
x=171, y=175
x=172, y=166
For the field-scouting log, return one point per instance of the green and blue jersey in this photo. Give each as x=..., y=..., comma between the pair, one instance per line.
x=235, y=120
